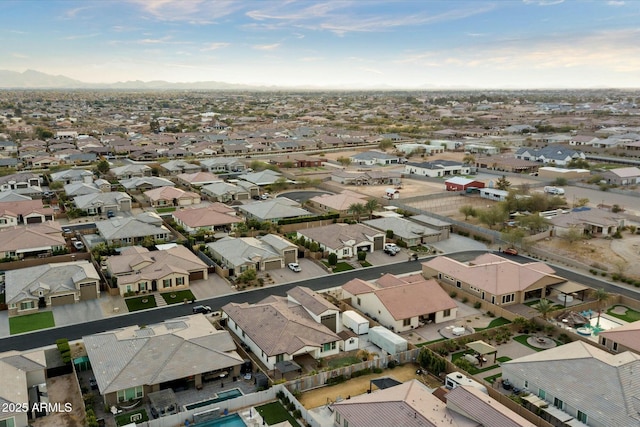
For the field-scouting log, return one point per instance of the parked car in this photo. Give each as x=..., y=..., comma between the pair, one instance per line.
x=78, y=245
x=93, y=383
x=510, y=251
x=294, y=266
x=391, y=248
x=110, y=214
x=204, y=309
x=390, y=251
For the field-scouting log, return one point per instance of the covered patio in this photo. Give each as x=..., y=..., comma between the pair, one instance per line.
x=568, y=292
x=483, y=349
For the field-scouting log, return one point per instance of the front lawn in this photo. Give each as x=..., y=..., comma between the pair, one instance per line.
x=178, y=296
x=365, y=263
x=630, y=316
x=31, y=322
x=140, y=303
x=342, y=266
x=137, y=417
x=274, y=413
x=166, y=210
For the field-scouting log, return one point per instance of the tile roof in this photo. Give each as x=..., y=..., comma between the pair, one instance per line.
x=311, y=300
x=25, y=238
x=175, y=349
x=476, y=405
x=206, y=217
x=627, y=335
x=494, y=274
x=336, y=236
x=145, y=224
x=170, y=193
x=277, y=327
x=339, y=202
x=143, y=260
x=272, y=209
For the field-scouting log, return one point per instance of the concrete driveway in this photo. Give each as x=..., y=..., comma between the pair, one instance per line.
x=310, y=269
x=84, y=311
x=212, y=287
x=456, y=243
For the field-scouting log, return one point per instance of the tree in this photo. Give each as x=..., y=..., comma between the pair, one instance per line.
x=544, y=307
x=370, y=206
x=56, y=185
x=535, y=223
x=601, y=296
x=513, y=236
x=357, y=209
x=344, y=161
x=560, y=182
x=280, y=184
x=492, y=216
x=502, y=183
x=103, y=167
x=581, y=202
x=385, y=144
x=332, y=258
x=572, y=235
x=467, y=211
x=469, y=159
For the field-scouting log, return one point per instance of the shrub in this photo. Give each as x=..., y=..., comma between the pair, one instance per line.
x=391, y=364
x=477, y=305
x=389, y=234
x=453, y=294
x=332, y=258
x=362, y=255
x=336, y=380
x=401, y=243
x=297, y=414
x=377, y=370
x=465, y=300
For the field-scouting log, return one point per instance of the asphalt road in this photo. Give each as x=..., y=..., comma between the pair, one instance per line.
x=73, y=332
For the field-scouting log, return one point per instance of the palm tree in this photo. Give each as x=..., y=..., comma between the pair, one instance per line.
x=601, y=296
x=544, y=307
x=357, y=209
x=371, y=206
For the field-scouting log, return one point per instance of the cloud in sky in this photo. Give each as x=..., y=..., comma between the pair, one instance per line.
x=400, y=42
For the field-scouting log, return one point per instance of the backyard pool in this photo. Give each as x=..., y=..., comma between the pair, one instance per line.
x=232, y=420
x=220, y=397
x=605, y=323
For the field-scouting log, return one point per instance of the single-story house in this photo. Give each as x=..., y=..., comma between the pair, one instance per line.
x=198, y=353
x=401, y=303
x=145, y=183
x=555, y=154
x=607, y=385
x=21, y=180
x=370, y=158
x=273, y=210
x=50, y=285
x=213, y=218
x=278, y=329
x=24, y=212
x=409, y=232
x=552, y=173
x=223, y=164
x=31, y=240
x=622, y=176
x=135, y=230
x=197, y=179
x=339, y=203
x=101, y=203
x=265, y=177
x=372, y=177
x=225, y=192
x=345, y=240
x=131, y=171
x=594, y=222
x=270, y=252
x=72, y=175
x=175, y=167
x=495, y=279
x=437, y=168
x=137, y=269
x=171, y=196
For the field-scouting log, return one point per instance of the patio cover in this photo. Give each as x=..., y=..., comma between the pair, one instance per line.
x=287, y=366
x=386, y=382
x=569, y=287
x=483, y=348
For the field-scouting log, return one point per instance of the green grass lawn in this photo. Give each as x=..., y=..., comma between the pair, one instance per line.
x=342, y=266
x=629, y=316
x=124, y=419
x=165, y=210
x=31, y=322
x=274, y=413
x=491, y=379
x=343, y=361
x=138, y=303
x=419, y=248
x=365, y=263
x=179, y=296
x=499, y=321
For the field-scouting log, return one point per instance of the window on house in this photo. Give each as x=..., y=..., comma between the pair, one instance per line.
x=582, y=417
x=542, y=394
x=338, y=419
x=179, y=281
x=615, y=346
x=143, y=286
x=166, y=283
x=27, y=305
x=508, y=298
x=359, y=301
x=406, y=322
x=439, y=275
x=10, y=422
x=604, y=341
x=279, y=358
x=458, y=284
x=526, y=384
x=558, y=403
x=447, y=312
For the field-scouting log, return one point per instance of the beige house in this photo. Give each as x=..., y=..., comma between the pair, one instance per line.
x=622, y=338
x=131, y=362
x=171, y=196
x=19, y=242
x=345, y=240
x=21, y=374
x=137, y=269
x=337, y=202
x=401, y=303
x=197, y=179
x=279, y=329
x=50, y=285
x=24, y=212
x=495, y=279
x=269, y=252
x=212, y=218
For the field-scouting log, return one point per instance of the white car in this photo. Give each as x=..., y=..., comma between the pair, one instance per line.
x=391, y=247
x=78, y=245
x=294, y=266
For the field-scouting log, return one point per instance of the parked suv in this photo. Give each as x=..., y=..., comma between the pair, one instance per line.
x=204, y=309
x=391, y=248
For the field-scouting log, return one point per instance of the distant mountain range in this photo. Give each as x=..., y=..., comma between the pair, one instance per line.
x=32, y=79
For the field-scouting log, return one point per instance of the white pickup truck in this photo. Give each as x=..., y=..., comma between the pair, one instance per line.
x=554, y=190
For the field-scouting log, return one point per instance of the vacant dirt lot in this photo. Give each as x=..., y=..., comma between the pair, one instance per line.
x=357, y=386
x=618, y=255
x=63, y=389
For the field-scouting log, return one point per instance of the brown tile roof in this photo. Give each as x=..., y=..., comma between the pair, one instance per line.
x=170, y=193
x=178, y=258
x=415, y=299
x=627, y=335
x=311, y=300
x=278, y=328
x=358, y=286
x=204, y=217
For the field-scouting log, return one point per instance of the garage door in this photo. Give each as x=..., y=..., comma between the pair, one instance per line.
x=196, y=275
x=290, y=256
x=62, y=300
x=88, y=291
x=273, y=265
x=378, y=243
x=364, y=248
x=34, y=220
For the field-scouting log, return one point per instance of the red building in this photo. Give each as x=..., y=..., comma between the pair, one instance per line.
x=459, y=183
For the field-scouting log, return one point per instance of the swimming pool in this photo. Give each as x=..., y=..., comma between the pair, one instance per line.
x=605, y=323
x=220, y=397
x=232, y=420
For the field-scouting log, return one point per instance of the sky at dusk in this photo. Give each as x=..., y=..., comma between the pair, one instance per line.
x=335, y=43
